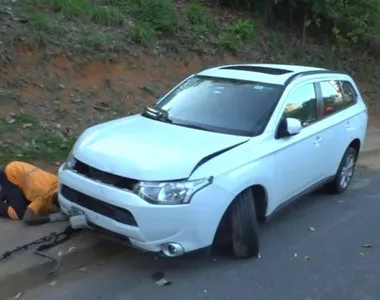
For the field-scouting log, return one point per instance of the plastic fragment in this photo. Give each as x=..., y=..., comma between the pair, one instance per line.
x=163, y=282
x=53, y=283
x=159, y=278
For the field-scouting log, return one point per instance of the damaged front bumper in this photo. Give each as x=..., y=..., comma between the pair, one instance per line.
x=120, y=214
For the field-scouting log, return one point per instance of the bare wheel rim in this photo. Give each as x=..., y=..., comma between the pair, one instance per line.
x=347, y=171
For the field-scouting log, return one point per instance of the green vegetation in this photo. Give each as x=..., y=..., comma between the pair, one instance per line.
x=348, y=22
x=200, y=20
x=88, y=26
x=237, y=35
x=38, y=141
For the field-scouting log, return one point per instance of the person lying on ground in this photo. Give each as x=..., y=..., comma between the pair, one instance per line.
x=30, y=194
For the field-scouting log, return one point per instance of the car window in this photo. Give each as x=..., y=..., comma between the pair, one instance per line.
x=349, y=93
x=302, y=105
x=333, y=97
x=222, y=105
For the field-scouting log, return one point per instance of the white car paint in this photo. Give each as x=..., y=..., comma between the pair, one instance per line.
x=148, y=150
x=145, y=149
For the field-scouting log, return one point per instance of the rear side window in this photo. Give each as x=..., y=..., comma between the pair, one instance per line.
x=336, y=97
x=349, y=93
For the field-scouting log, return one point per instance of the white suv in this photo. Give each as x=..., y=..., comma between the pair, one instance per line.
x=225, y=148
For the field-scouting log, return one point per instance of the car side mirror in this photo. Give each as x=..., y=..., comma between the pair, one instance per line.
x=289, y=127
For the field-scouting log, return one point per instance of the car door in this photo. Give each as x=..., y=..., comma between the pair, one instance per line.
x=299, y=158
x=339, y=123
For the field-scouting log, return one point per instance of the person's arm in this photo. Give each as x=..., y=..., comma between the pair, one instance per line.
x=31, y=218
x=37, y=214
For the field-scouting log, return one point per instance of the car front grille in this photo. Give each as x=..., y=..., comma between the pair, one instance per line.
x=104, y=177
x=116, y=213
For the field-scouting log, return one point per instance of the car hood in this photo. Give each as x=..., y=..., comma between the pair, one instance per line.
x=145, y=149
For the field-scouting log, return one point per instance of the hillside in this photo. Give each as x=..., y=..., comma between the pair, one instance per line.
x=68, y=64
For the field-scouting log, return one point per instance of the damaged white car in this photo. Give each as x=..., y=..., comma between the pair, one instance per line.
x=216, y=156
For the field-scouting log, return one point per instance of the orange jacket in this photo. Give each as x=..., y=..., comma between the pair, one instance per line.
x=37, y=185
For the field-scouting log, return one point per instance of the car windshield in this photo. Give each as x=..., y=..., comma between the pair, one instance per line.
x=221, y=105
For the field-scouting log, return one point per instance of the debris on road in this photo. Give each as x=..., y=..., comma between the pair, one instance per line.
x=18, y=295
x=159, y=278
x=311, y=229
x=163, y=282
x=53, y=283
x=367, y=246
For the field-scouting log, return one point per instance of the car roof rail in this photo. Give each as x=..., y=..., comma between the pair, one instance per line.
x=310, y=72
x=256, y=69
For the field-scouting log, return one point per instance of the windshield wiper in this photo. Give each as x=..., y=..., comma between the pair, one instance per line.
x=192, y=126
x=157, y=114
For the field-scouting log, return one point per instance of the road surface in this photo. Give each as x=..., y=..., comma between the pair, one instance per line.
x=323, y=247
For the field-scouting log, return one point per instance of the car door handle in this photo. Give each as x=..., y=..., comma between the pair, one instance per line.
x=348, y=124
x=318, y=139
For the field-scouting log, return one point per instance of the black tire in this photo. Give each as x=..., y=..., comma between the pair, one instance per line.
x=244, y=227
x=335, y=186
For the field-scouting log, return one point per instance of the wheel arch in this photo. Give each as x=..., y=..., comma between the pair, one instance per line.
x=356, y=144
x=260, y=198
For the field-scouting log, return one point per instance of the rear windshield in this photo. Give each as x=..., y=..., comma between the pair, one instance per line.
x=222, y=105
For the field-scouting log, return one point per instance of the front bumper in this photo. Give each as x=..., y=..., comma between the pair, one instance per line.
x=146, y=226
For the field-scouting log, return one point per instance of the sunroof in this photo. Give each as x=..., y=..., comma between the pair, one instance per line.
x=266, y=70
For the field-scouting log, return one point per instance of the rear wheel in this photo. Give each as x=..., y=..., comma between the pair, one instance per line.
x=345, y=173
x=244, y=227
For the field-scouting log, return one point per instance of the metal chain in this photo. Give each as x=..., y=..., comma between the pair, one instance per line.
x=51, y=240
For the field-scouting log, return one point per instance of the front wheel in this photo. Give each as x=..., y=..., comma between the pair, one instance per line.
x=245, y=237
x=345, y=172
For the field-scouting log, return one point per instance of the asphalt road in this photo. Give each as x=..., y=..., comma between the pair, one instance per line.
x=338, y=258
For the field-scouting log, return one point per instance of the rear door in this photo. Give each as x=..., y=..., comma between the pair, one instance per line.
x=339, y=122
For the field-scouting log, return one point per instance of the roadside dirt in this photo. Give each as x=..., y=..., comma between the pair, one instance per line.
x=370, y=161
x=77, y=96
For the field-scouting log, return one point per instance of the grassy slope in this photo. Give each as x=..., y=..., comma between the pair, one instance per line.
x=98, y=29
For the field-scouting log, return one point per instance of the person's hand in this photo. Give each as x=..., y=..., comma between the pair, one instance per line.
x=58, y=217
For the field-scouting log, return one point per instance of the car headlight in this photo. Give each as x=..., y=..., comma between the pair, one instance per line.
x=175, y=192
x=70, y=162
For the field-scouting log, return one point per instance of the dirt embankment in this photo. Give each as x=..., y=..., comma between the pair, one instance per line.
x=67, y=97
